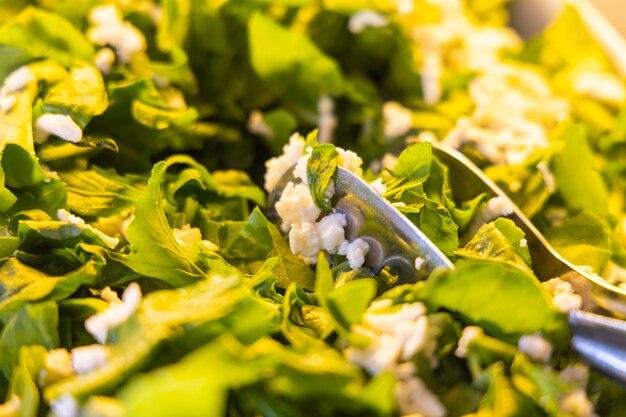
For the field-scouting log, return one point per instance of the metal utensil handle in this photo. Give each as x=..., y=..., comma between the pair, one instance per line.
x=600, y=343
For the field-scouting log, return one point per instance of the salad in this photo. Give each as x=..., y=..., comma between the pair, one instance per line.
x=142, y=270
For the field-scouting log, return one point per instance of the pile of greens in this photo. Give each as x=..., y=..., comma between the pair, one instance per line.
x=166, y=177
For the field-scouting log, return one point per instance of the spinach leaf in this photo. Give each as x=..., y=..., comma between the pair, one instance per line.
x=321, y=169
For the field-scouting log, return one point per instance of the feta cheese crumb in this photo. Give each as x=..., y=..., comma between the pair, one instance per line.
x=278, y=166
x=65, y=216
x=356, y=252
x=64, y=406
x=419, y=263
x=7, y=103
x=378, y=186
x=59, y=125
x=523, y=243
x=117, y=313
x=414, y=397
x=467, y=336
x=564, y=299
x=326, y=120
x=577, y=404
x=187, y=236
x=304, y=240
x=299, y=170
x=110, y=29
x=364, y=19
x=86, y=359
x=57, y=365
x=12, y=407
x=601, y=86
x=398, y=120
x=499, y=206
x=330, y=230
x=548, y=177
x=17, y=80
x=389, y=161
x=575, y=374
x=258, y=126
x=296, y=205
x=104, y=60
x=535, y=347
x=350, y=161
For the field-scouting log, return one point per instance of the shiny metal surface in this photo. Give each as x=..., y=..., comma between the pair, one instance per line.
x=467, y=181
x=394, y=241
x=600, y=343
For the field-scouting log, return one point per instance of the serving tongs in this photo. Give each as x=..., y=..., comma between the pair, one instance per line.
x=396, y=242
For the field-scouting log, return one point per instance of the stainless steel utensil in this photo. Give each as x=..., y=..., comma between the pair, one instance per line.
x=467, y=181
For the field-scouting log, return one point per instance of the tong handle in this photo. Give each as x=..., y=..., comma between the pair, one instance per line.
x=600, y=342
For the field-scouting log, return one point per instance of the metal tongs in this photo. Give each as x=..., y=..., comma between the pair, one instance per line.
x=394, y=241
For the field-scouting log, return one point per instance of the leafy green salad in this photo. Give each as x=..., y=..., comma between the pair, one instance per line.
x=143, y=272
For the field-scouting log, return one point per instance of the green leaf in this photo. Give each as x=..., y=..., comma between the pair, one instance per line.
x=154, y=251
x=583, y=240
x=347, y=302
x=501, y=298
x=25, y=378
x=231, y=183
x=289, y=60
x=321, y=169
x=45, y=34
x=254, y=241
x=499, y=240
x=21, y=168
x=98, y=192
x=185, y=388
x=578, y=182
x=20, y=283
x=81, y=95
x=503, y=400
x=414, y=162
x=33, y=324
x=161, y=118
x=16, y=126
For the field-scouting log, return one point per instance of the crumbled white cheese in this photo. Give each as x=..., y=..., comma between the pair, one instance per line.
x=187, y=236
x=548, y=177
x=378, y=186
x=110, y=29
x=350, y=161
x=304, y=240
x=380, y=355
x=108, y=295
x=577, y=374
x=419, y=263
x=414, y=397
x=398, y=204
x=117, y=313
x=17, y=80
x=431, y=73
x=296, y=205
x=12, y=407
x=326, y=120
x=258, y=126
x=427, y=136
x=467, y=336
x=601, y=86
x=577, y=404
x=523, y=243
x=7, y=103
x=330, y=230
x=388, y=321
x=104, y=60
x=498, y=206
x=356, y=252
x=343, y=248
x=64, y=406
x=404, y=6
x=65, y=216
x=564, y=299
x=566, y=302
x=299, y=170
x=535, y=347
x=389, y=161
x=364, y=19
x=398, y=120
x=278, y=166
x=382, y=304
x=86, y=359
x=57, y=365
x=59, y=125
